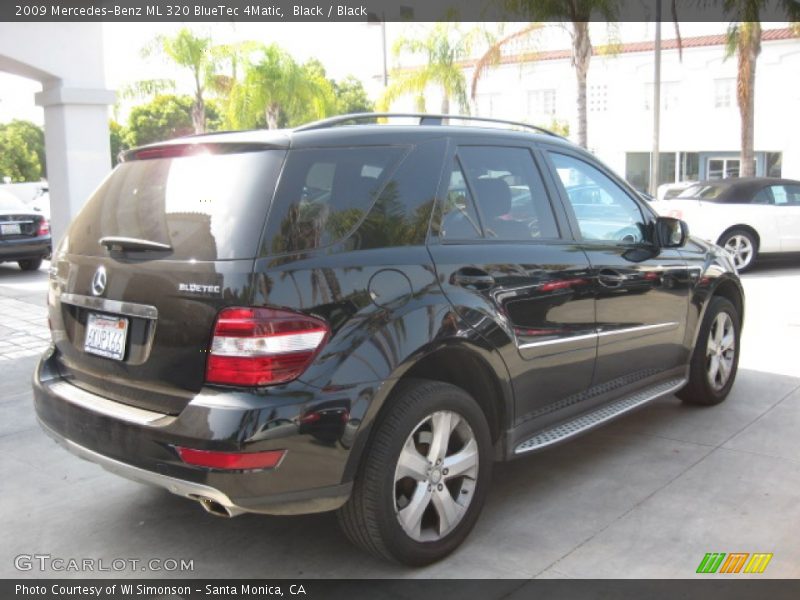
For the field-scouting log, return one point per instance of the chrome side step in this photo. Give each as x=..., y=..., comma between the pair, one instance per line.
x=590, y=420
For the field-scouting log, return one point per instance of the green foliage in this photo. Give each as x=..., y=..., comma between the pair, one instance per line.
x=163, y=118
x=275, y=90
x=116, y=134
x=351, y=97
x=190, y=51
x=443, y=47
x=22, y=151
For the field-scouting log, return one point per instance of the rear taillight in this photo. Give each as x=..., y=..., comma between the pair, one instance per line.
x=44, y=227
x=231, y=460
x=262, y=346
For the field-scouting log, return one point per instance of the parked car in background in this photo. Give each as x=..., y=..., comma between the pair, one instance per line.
x=748, y=217
x=364, y=318
x=41, y=201
x=24, y=233
x=669, y=190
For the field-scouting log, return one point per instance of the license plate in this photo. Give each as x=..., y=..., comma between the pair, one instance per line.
x=10, y=229
x=106, y=336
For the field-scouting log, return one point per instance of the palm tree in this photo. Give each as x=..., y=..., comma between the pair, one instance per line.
x=744, y=40
x=274, y=85
x=443, y=47
x=577, y=13
x=193, y=52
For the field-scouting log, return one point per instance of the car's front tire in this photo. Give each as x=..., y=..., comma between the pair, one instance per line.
x=30, y=264
x=715, y=359
x=742, y=246
x=424, y=476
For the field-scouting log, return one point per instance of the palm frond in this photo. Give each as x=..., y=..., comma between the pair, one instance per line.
x=494, y=53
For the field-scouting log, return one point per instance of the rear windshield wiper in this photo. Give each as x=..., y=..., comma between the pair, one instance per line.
x=135, y=244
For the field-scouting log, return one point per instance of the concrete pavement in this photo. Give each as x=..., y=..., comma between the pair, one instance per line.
x=646, y=496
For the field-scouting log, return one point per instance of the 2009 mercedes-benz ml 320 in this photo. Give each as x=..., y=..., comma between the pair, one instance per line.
x=363, y=317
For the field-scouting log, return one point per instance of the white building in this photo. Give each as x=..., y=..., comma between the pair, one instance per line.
x=700, y=125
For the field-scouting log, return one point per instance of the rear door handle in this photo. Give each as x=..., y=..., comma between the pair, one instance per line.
x=474, y=278
x=610, y=278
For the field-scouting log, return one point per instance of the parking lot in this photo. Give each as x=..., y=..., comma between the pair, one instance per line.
x=646, y=496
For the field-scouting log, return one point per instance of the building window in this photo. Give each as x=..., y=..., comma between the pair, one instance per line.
x=670, y=95
x=486, y=104
x=598, y=95
x=724, y=90
x=774, y=160
x=637, y=169
x=541, y=103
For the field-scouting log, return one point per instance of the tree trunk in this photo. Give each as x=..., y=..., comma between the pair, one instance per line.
x=199, y=107
x=199, y=116
x=748, y=49
x=581, y=55
x=273, y=111
x=445, y=103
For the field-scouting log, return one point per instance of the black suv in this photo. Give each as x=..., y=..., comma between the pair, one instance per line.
x=364, y=317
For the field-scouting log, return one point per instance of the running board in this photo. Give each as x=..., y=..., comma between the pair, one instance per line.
x=590, y=420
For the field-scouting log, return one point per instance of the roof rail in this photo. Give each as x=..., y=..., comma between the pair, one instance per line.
x=424, y=119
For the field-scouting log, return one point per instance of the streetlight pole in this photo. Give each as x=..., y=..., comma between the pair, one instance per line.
x=383, y=40
x=654, y=155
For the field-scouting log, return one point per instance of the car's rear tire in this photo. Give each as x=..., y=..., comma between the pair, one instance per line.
x=742, y=246
x=428, y=421
x=715, y=359
x=30, y=264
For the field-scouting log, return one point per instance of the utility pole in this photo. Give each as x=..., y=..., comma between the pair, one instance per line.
x=654, y=155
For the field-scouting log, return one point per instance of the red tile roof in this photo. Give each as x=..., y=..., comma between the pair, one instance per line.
x=769, y=35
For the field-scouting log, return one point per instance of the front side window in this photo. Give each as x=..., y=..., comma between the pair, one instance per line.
x=602, y=208
x=509, y=192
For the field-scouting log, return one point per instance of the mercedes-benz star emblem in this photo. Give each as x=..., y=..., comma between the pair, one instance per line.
x=99, y=281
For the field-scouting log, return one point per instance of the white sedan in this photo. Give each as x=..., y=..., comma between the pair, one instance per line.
x=747, y=217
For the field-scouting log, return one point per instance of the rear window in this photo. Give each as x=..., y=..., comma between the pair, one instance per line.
x=207, y=206
x=324, y=194
x=9, y=202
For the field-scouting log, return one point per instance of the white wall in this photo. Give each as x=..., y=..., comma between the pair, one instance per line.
x=67, y=59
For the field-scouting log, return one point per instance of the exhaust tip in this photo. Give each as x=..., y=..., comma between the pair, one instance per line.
x=215, y=508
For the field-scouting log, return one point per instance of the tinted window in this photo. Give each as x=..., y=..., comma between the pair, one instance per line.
x=324, y=194
x=401, y=215
x=509, y=193
x=602, y=208
x=459, y=220
x=207, y=207
x=762, y=196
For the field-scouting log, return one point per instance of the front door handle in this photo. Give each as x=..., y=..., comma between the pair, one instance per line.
x=610, y=278
x=474, y=278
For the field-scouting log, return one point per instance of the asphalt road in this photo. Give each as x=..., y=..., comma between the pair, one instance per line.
x=646, y=496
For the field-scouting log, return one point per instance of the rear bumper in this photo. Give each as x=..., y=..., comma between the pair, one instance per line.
x=20, y=249
x=140, y=445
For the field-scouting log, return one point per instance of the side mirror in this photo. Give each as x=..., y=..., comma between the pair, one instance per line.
x=671, y=233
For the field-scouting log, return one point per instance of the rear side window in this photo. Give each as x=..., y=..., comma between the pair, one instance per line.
x=459, y=219
x=206, y=206
x=324, y=194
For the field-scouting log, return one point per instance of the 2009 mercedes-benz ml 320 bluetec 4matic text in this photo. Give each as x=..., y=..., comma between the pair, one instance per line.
x=364, y=317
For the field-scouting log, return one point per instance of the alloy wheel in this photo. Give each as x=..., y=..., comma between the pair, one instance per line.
x=720, y=351
x=435, y=476
x=741, y=250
